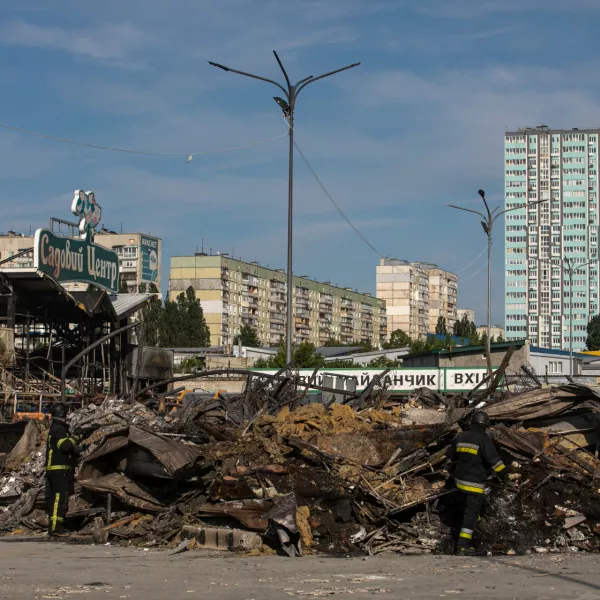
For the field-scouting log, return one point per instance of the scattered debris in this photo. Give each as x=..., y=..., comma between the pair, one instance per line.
x=268, y=470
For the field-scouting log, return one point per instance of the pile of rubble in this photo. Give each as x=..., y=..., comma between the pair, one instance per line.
x=265, y=469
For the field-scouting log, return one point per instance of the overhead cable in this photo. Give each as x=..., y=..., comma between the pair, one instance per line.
x=360, y=235
x=189, y=155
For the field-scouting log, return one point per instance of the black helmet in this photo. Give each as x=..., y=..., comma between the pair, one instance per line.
x=481, y=417
x=59, y=410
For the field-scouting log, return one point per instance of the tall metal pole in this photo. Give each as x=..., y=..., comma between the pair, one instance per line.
x=289, y=326
x=288, y=107
x=489, y=218
x=570, y=271
x=488, y=344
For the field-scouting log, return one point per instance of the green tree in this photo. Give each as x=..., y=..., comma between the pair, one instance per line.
x=398, y=339
x=500, y=338
x=383, y=362
x=171, y=331
x=441, y=328
x=248, y=336
x=593, y=333
x=366, y=346
x=152, y=317
x=123, y=289
x=189, y=365
x=196, y=333
x=304, y=356
x=333, y=342
x=339, y=363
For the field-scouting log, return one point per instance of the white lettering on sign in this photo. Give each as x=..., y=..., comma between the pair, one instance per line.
x=399, y=380
x=60, y=258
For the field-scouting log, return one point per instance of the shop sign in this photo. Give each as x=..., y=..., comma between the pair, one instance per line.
x=67, y=260
x=149, y=252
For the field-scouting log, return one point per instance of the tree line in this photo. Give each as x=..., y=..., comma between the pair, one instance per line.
x=178, y=323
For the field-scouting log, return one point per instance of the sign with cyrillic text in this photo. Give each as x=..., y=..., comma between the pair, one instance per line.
x=401, y=381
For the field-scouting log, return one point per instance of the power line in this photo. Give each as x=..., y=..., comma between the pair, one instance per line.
x=131, y=151
x=473, y=274
x=474, y=260
x=362, y=237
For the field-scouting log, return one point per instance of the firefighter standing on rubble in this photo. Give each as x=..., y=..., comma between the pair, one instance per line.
x=473, y=457
x=61, y=458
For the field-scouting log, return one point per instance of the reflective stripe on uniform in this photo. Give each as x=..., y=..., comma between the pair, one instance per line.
x=467, y=486
x=55, y=518
x=468, y=448
x=60, y=442
x=466, y=533
x=499, y=466
x=58, y=467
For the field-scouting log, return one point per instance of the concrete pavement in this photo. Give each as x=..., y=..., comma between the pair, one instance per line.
x=34, y=569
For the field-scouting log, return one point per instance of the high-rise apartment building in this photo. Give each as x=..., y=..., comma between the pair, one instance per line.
x=235, y=293
x=559, y=167
x=416, y=295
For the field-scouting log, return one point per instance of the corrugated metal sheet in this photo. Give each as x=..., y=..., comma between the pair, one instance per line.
x=123, y=304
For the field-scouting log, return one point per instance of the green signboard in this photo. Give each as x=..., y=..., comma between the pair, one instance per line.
x=67, y=260
x=149, y=252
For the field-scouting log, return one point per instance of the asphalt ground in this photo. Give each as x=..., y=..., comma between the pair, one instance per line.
x=30, y=568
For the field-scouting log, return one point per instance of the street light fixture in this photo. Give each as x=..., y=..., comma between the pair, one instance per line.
x=288, y=106
x=488, y=224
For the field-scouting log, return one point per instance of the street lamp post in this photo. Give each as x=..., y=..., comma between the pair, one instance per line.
x=570, y=268
x=488, y=223
x=288, y=106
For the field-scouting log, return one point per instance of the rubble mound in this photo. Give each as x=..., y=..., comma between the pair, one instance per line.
x=243, y=473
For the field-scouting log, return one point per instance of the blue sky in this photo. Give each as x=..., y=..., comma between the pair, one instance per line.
x=418, y=125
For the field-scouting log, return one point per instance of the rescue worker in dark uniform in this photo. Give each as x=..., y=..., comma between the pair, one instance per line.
x=61, y=459
x=473, y=457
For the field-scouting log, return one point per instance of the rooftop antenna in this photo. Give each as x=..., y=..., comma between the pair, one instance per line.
x=121, y=226
x=202, y=246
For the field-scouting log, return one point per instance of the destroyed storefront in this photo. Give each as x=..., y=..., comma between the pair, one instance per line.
x=45, y=327
x=263, y=471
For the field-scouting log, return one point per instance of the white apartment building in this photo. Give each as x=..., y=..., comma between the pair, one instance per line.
x=416, y=295
x=551, y=249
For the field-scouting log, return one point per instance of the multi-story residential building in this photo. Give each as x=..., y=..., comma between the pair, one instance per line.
x=139, y=254
x=416, y=295
x=461, y=312
x=443, y=292
x=234, y=293
x=496, y=332
x=560, y=168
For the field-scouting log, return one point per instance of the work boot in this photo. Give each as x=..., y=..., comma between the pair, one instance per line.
x=468, y=551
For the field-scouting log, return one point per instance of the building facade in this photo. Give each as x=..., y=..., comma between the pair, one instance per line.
x=139, y=255
x=416, y=295
x=461, y=312
x=235, y=293
x=496, y=331
x=542, y=242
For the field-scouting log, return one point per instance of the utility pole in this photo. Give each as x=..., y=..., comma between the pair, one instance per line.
x=569, y=268
x=288, y=107
x=488, y=224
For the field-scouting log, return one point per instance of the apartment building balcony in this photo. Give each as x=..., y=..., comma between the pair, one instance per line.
x=250, y=320
x=277, y=296
x=276, y=327
x=276, y=317
x=326, y=299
